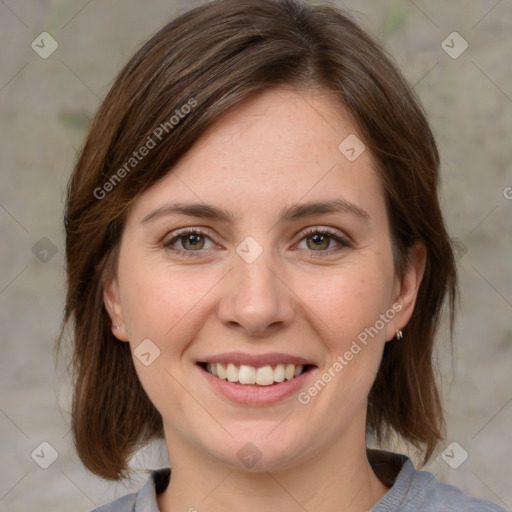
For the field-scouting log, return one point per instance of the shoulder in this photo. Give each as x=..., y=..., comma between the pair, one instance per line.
x=427, y=494
x=145, y=500
x=413, y=490
x=123, y=504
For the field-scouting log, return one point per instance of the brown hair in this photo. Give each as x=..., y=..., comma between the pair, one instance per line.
x=215, y=57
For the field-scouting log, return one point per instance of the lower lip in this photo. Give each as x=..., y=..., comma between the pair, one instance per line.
x=252, y=394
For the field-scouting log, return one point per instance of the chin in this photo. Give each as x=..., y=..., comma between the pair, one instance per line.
x=258, y=453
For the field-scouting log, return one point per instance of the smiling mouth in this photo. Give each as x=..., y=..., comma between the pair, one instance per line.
x=267, y=375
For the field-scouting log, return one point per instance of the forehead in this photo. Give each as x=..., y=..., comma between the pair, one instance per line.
x=280, y=147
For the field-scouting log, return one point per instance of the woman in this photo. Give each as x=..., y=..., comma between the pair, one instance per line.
x=257, y=267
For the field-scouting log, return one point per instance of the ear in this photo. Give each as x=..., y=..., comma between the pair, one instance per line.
x=405, y=290
x=111, y=299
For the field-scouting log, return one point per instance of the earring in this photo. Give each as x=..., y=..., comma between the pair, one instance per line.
x=399, y=334
x=116, y=327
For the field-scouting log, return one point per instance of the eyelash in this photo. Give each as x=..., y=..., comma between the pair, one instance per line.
x=343, y=241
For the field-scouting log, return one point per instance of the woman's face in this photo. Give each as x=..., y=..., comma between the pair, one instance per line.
x=275, y=283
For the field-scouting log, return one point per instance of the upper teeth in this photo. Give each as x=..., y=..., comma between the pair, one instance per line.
x=264, y=376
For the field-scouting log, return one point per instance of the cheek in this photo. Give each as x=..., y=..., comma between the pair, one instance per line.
x=349, y=312
x=346, y=303
x=161, y=302
x=348, y=322
x=165, y=305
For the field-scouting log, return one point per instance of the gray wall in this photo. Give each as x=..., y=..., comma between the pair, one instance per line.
x=45, y=105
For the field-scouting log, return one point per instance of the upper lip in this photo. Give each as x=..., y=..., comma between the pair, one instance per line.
x=256, y=360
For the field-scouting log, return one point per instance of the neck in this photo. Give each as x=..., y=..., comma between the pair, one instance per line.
x=341, y=479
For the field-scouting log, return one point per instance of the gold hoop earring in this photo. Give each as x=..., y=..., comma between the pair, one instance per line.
x=399, y=334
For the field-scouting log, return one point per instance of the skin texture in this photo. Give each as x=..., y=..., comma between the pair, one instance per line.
x=300, y=296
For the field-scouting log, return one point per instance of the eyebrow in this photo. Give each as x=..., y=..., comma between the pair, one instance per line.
x=287, y=214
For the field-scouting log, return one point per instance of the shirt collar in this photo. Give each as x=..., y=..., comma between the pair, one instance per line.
x=393, y=469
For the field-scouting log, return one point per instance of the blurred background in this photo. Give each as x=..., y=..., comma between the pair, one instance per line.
x=456, y=55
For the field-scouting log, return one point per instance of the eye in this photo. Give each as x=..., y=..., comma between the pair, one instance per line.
x=319, y=240
x=191, y=240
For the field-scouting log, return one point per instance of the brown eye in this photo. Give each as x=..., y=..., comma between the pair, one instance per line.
x=190, y=241
x=319, y=241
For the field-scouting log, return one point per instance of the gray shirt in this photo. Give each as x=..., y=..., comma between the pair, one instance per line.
x=411, y=490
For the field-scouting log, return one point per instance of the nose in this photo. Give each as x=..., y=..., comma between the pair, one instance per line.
x=256, y=298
